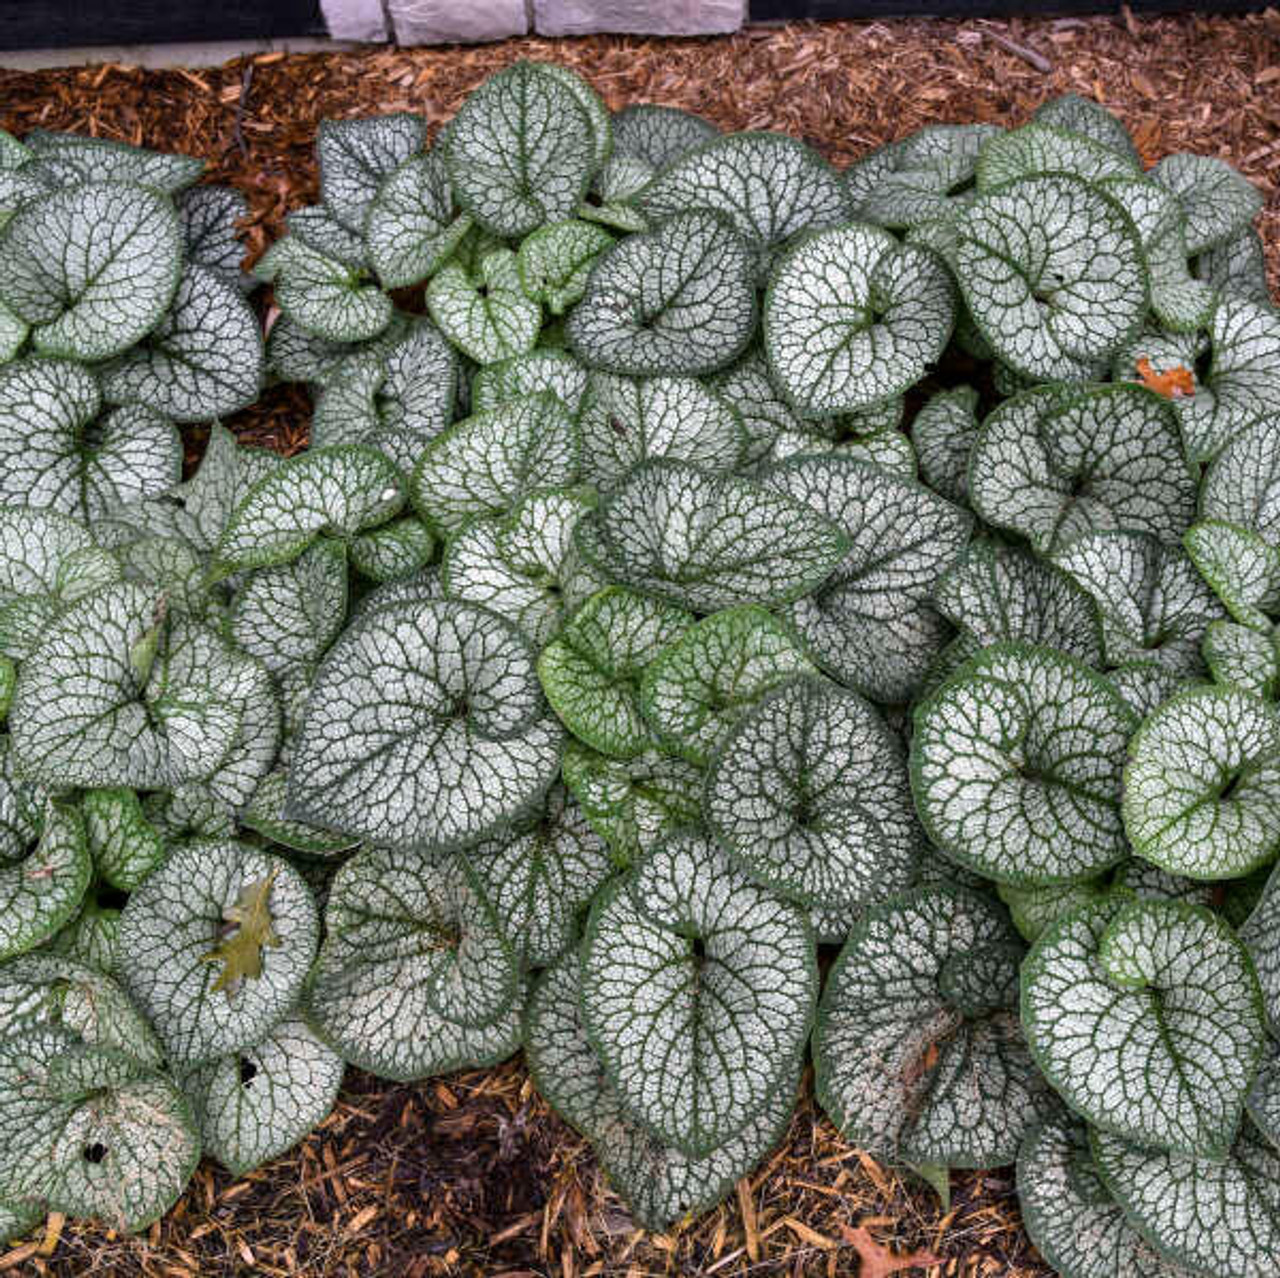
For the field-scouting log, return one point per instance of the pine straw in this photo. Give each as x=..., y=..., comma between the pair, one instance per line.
x=473, y=1174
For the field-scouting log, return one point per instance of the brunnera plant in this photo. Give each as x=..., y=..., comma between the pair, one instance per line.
x=623, y=647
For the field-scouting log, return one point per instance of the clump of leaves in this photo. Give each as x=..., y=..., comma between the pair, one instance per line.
x=654, y=614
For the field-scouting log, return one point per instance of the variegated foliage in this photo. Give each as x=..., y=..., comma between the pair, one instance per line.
x=650, y=609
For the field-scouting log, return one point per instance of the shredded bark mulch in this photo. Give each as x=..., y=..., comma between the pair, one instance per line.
x=472, y=1174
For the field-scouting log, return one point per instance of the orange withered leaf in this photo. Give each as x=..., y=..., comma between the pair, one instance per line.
x=1173, y=383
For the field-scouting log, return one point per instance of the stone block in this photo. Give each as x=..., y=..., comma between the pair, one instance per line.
x=461, y=21
x=641, y=17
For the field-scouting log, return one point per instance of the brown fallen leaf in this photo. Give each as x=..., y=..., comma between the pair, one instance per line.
x=1172, y=384
x=877, y=1261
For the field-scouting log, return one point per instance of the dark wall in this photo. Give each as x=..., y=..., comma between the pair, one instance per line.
x=41, y=24
x=777, y=10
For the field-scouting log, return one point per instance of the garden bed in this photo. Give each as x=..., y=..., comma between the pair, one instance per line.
x=473, y=1174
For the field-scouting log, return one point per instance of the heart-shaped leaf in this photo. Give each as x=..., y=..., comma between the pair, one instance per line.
x=852, y=317
x=91, y=1133
x=485, y=463
x=1016, y=766
x=1261, y=935
x=44, y=990
x=414, y=977
x=357, y=155
x=1242, y=658
x=92, y=268
x=85, y=711
x=1242, y=569
x=40, y=893
x=70, y=159
x=412, y=225
x=1200, y=793
x=485, y=314
x=659, y=1184
x=215, y=946
x=200, y=508
x=318, y=229
x=1074, y=1222
x=679, y=299
x=1083, y=115
x=252, y=1106
x=626, y=420
x=699, y=686
x=55, y=451
x=698, y=990
x=709, y=541
x=204, y=359
x=1152, y=603
x=524, y=565
x=125, y=847
x=591, y=670
x=395, y=550
x=1147, y=1017
x=324, y=296
x=633, y=803
x=1044, y=147
x=292, y=612
x=915, y=180
x=808, y=794
x=555, y=260
x=996, y=592
x=520, y=151
x=541, y=879
x=1218, y=202
x=1208, y=1214
x=768, y=185
x=659, y=135
x=474, y=736
x=943, y=432
x=340, y=490
x=1052, y=464
x=918, y=1053
x=1052, y=272
x=47, y=562
x=555, y=371
x=396, y=396
x=870, y=622
x=198, y=666
x=208, y=217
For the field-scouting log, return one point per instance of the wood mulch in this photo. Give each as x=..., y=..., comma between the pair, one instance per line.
x=472, y=1174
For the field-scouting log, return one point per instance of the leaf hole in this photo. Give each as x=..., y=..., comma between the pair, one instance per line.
x=248, y=1071
x=110, y=898
x=95, y=1153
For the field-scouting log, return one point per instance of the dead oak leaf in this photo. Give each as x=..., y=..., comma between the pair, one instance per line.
x=253, y=930
x=877, y=1261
